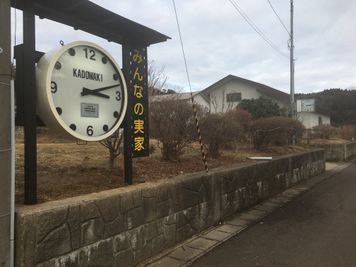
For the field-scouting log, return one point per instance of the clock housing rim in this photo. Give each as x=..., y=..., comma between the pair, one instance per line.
x=46, y=107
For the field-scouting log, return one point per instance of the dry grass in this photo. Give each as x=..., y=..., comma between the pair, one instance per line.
x=328, y=141
x=66, y=169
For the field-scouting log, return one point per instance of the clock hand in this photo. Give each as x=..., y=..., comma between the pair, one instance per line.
x=103, y=88
x=87, y=91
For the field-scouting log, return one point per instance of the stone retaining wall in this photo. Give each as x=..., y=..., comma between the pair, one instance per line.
x=338, y=152
x=125, y=226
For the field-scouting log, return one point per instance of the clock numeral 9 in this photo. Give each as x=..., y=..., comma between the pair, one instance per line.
x=54, y=87
x=90, y=131
x=90, y=53
x=118, y=95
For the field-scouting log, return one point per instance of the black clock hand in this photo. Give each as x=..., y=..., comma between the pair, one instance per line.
x=104, y=88
x=87, y=91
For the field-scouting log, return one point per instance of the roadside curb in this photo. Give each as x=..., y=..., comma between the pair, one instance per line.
x=197, y=246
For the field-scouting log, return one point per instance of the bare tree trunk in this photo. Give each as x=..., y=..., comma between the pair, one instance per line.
x=111, y=158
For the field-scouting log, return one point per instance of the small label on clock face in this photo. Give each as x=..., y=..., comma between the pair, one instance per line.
x=89, y=110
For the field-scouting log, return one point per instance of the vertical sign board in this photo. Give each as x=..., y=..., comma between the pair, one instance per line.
x=138, y=91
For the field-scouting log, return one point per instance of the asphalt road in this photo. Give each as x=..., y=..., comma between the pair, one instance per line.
x=316, y=229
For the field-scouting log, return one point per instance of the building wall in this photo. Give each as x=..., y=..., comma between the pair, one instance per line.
x=218, y=97
x=311, y=119
x=125, y=226
x=198, y=99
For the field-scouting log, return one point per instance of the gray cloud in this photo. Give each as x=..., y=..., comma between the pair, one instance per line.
x=218, y=41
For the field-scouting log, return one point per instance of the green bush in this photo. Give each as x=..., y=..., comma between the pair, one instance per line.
x=277, y=131
x=261, y=108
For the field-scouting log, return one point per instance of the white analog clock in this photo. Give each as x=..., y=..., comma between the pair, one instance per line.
x=81, y=91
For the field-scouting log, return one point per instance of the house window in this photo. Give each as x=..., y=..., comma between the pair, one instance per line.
x=234, y=97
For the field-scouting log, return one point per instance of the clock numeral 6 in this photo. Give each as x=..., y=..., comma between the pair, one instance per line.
x=90, y=53
x=90, y=131
x=54, y=87
x=118, y=95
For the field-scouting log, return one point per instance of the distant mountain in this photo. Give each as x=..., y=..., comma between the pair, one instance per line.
x=339, y=104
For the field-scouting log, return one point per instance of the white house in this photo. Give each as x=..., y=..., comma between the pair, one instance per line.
x=227, y=93
x=306, y=114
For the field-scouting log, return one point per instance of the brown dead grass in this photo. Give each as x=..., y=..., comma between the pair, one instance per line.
x=66, y=169
x=328, y=141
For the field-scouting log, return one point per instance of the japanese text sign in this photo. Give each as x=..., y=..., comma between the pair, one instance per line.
x=139, y=96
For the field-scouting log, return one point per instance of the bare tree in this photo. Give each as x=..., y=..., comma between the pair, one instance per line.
x=219, y=129
x=157, y=78
x=172, y=123
x=113, y=144
x=214, y=103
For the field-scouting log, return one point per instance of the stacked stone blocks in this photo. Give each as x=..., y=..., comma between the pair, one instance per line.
x=123, y=227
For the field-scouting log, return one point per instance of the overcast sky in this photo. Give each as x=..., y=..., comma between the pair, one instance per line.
x=219, y=42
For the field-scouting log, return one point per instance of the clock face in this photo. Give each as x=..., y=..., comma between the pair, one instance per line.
x=86, y=91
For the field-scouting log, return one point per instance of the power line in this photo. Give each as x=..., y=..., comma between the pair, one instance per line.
x=203, y=154
x=182, y=46
x=255, y=28
x=279, y=18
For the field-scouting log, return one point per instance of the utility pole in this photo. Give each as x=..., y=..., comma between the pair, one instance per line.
x=292, y=105
x=6, y=142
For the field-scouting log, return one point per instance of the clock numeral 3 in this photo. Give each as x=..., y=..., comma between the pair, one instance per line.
x=89, y=54
x=54, y=87
x=90, y=131
x=118, y=95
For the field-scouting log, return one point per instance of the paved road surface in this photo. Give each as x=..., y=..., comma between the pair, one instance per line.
x=316, y=229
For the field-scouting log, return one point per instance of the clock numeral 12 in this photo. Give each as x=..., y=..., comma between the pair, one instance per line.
x=54, y=87
x=90, y=53
x=90, y=131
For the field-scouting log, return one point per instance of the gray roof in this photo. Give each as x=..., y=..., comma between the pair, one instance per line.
x=177, y=96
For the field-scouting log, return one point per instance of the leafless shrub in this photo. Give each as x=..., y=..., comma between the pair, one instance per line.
x=157, y=78
x=323, y=131
x=348, y=132
x=172, y=123
x=114, y=145
x=219, y=129
x=278, y=131
x=244, y=119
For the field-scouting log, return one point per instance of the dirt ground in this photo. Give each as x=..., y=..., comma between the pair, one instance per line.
x=67, y=169
x=328, y=141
